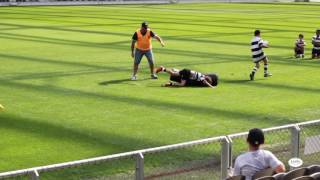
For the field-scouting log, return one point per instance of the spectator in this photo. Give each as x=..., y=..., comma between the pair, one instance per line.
x=256, y=159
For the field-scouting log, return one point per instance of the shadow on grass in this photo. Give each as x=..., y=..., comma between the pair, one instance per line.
x=161, y=105
x=117, y=81
x=120, y=81
x=87, y=138
x=173, y=158
x=272, y=86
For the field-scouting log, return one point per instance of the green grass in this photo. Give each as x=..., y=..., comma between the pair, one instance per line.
x=64, y=77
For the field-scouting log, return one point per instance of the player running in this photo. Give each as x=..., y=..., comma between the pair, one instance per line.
x=258, y=55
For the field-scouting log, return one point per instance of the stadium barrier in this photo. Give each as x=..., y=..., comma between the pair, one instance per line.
x=202, y=159
x=106, y=2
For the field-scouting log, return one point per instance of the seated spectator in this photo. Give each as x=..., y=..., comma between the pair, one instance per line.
x=256, y=159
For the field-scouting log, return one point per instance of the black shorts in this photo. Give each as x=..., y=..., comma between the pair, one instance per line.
x=299, y=50
x=195, y=83
x=316, y=51
x=189, y=81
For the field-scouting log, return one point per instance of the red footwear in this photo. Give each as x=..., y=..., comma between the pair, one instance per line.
x=160, y=69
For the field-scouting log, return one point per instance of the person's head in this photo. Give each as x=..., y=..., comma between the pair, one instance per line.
x=318, y=32
x=257, y=32
x=208, y=79
x=144, y=26
x=255, y=138
x=212, y=79
x=300, y=36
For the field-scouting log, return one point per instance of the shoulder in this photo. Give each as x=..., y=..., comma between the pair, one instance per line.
x=267, y=153
x=152, y=33
x=243, y=157
x=184, y=72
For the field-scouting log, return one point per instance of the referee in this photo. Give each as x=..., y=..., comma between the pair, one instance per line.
x=141, y=46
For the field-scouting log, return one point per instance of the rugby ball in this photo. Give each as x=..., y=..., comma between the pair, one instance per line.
x=265, y=43
x=1, y=108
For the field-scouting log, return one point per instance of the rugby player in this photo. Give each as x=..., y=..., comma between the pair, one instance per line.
x=187, y=77
x=316, y=45
x=258, y=55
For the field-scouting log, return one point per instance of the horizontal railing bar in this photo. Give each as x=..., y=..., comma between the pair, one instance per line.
x=309, y=123
x=182, y=145
x=264, y=130
x=107, y=158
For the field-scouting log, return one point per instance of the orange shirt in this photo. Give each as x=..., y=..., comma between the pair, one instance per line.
x=143, y=41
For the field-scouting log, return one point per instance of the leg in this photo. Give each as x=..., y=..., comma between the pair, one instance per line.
x=172, y=72
x=135, y=69
x=150, y=59
x=137, y=59
x=318, y=53
x=266, y=73
x=254, y=70
x=296, y=52
x=313, y=53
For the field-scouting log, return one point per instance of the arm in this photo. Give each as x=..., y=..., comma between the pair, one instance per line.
x=236, y=169
x=275, y=163
x=132, y=48
x=280, y=168
x=313, y=41
x=264, y=46
x=183, y=83
x=207, y=83
x=159, y=39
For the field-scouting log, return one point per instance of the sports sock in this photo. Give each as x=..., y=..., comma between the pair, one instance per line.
x=266, y=69
x=254, y=70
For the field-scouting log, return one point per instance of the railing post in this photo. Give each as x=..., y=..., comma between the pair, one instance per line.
x=139, y=167
x=225, y=157
x=295, y=141
x=35, y=175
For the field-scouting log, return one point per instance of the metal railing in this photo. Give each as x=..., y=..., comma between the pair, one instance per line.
x=202, y=159
x=105, y=2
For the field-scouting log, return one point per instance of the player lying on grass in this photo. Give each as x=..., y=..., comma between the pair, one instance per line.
x=187, y=77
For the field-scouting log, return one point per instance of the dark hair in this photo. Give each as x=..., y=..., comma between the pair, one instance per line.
x=255, y=137
x=144, y=24
x=301, y=35
x=257, y=32
x=214, y=79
